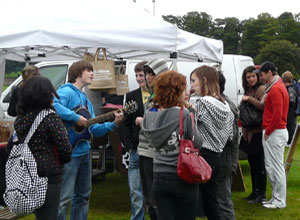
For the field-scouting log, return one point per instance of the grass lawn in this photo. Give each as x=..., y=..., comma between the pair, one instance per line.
x=110, y=198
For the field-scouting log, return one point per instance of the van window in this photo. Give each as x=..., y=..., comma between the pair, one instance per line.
x=56, y=73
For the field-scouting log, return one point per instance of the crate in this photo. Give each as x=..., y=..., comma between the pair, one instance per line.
x=5, y=214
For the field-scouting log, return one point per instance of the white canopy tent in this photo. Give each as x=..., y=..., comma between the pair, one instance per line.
x=37, y=33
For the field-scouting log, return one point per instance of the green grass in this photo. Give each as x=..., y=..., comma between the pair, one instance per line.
x=110, y=198
x=4, y=87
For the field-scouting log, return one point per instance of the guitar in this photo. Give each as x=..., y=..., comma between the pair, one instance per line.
x=80, y=133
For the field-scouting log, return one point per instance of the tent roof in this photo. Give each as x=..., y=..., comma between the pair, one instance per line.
x=124, y=29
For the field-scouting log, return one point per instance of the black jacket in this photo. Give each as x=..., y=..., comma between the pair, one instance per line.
x=131, y=130
x=49, y=144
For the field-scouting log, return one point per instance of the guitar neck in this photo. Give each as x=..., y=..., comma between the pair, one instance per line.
x=101, y=118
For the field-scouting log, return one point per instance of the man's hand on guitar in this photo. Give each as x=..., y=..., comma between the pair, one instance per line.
x=118, y=117
x=82, y=121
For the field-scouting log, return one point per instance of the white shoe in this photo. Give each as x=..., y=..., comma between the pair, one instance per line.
x=270, y=206
x=267, y=202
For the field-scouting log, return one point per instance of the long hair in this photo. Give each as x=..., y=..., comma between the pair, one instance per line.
x=168, y=87
x=209, y=81
x=250, y=69
x=36, y=94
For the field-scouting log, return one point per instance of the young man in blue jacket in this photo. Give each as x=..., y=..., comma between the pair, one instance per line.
x=77, y=184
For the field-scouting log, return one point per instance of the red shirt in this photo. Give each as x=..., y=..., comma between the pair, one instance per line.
x=276, y=108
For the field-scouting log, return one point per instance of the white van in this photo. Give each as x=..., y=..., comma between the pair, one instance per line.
x=232, y=68
x=56, y=71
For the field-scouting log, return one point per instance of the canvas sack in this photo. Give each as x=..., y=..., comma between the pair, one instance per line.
x=121, y=82
x=104, y=72
x=25, y=190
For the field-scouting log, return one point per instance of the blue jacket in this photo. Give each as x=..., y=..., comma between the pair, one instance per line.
x=70, y=99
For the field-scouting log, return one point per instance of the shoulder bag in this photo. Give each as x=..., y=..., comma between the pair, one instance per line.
x=250, y=116
x=191, y=166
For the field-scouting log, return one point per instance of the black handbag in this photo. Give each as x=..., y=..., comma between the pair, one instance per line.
x=250, y=116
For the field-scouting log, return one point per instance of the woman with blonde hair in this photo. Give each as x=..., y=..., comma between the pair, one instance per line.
x=174, y=198
x=27, y=73
x=214, y=121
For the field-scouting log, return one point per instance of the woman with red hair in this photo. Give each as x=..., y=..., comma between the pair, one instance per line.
x=174, y=198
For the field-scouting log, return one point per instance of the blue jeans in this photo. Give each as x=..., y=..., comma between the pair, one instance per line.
x=77, y=186
x=174, y=198
x=226, y=209
x=135, y=188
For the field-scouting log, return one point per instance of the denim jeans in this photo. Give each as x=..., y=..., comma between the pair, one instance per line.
x=175, y=199
x=49, y=209
x=77, y=186
x=135, y=188
x=224, y=197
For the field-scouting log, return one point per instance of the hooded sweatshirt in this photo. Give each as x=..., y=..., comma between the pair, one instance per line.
x=162, y=131
x=72, y=98
x=214, y=121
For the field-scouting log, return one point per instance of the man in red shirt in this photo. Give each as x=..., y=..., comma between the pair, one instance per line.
x=275, y=134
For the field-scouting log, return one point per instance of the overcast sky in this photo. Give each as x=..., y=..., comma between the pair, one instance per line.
x=240, y=9
x=18, y=15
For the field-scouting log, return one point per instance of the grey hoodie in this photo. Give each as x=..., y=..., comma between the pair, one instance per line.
x=162, y=131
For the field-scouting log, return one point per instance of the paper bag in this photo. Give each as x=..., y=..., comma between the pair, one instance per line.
x=121, y=82
x=104, y=72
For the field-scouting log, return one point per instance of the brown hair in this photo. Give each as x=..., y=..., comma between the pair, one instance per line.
x=168, y=87
x=250, y=69
x=77, y=69
x=29, y=71
x=209, y=78
x=139, y=66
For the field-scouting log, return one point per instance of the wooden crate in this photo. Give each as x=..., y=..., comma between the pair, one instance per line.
x=5, y=214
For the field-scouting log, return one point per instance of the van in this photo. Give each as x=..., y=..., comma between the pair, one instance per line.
x=56, y=71
x=232, y=68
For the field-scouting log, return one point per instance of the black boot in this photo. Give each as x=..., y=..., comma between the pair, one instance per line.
x=263, y=185
x=262, y=182
x=255, y=188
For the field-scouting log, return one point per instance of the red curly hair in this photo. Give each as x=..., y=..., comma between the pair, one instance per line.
x=168, y=87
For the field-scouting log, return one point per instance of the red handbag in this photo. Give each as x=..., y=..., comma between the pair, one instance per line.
x=191, y=166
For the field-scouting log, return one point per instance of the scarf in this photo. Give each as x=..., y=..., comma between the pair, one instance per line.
x=268, y=87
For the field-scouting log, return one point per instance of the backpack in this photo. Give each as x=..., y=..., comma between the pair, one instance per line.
x=296, y=85
x=25, y=190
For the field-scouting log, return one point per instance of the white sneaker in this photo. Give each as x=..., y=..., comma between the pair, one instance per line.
x=270, y=206
x=267, y=202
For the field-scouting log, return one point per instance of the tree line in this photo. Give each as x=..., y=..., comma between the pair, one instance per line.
x=262, y=38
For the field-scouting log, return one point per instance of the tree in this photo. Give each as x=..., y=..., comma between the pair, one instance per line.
x=228, y=30
x=198, y=23
x=174, y=20
x=289, y=29
x=284, y=54
x=258, y=33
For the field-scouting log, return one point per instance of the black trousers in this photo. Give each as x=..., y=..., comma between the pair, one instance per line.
x=209, y=190
x=146, y=172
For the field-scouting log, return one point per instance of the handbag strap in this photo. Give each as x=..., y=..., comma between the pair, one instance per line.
x=38, y=119
x=181, y=123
